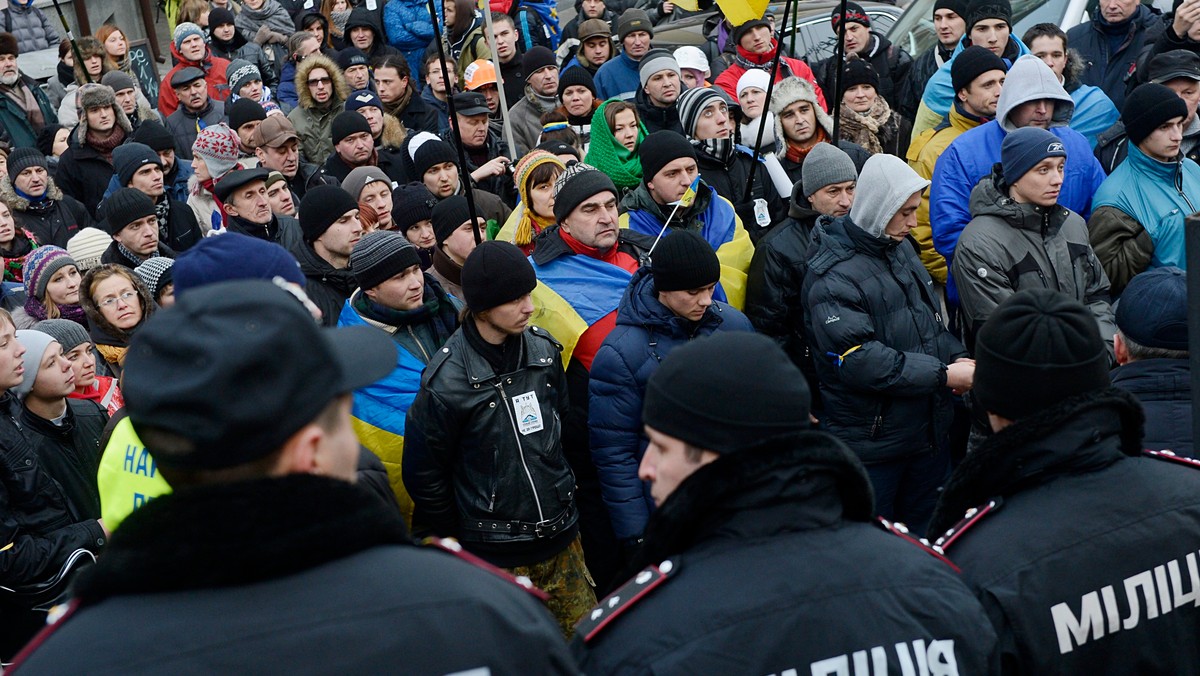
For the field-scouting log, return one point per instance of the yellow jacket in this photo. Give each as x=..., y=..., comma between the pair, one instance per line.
x=128, y=477
x=923, y=153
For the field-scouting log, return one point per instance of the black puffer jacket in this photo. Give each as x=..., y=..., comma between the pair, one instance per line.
x=469, y=470
x=70, y=452
x=870, y=306
x=774, y=286
x=1073, y=563
x=891, y=64
x=655, y=118
x=923, y=67
x=1108, y=68
x=37, y=518
x=798, y=514
x=248, y=572
x=328, y=287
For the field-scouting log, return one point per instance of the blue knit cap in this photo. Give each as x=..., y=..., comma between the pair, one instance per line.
x=1024, y=148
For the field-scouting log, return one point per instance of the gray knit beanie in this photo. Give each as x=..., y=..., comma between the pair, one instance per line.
x=67, y=332
x=381, y=255
x=826, y=164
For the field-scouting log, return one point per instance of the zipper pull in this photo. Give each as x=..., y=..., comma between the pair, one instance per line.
x=875, y=427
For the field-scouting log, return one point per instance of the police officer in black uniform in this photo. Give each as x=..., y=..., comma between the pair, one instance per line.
x=763, y=556
x=1081, y=546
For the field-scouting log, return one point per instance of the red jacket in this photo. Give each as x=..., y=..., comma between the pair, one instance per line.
x=214, y=68
x=729, y=78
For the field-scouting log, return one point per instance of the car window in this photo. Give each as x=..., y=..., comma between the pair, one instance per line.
x=914, y=30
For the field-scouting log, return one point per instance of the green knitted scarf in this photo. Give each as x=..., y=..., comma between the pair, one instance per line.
x=610, y=157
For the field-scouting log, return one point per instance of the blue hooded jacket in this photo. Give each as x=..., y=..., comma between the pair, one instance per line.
x=645, y=334
x=971, y=157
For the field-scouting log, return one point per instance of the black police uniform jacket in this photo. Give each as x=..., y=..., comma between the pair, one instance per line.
x=300, y=574
x=773, y=566
x=477, y=465
x=1082, y=550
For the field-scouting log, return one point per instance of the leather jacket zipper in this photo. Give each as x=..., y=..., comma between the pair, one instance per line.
x=512, y=419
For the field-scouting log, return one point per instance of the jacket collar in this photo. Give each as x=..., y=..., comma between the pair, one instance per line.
x=805, y=481
x=549, y=245
x=1082, y=434
x=202, y=537
x=479, y=371
x=1167, y=172
x=641, y=307
x=988, y=198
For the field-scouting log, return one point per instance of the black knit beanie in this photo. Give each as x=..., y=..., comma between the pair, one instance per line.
x=494, y=274
x=155, y=135
x=682, y=261
x=448, y=216
x=1148, y=107
x=854, y=14
x=381, y=255
x=430, y=153
x=124, y=207
x=971, y=63
x=579, y=182
x=321, y=207
x=1038, y=348
x=959, y=7
x=859, y=72
x=762, y=394
x=24, y=158
x=978, y=10
x=575, y=77
x=347, y=123
x=537, y=58
x=660, y=149
x=243, y=111
x=127, y=159
x=412, y=203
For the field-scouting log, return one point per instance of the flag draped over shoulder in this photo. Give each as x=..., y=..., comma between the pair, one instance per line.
x=574, y=292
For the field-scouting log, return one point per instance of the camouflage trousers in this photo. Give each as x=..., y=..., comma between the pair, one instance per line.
x=566, y=579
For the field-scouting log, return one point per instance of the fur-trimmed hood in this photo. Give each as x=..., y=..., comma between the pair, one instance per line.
x=341, y=89
x=1080, y=434
x=788, y=91
x=394, y=132
x=803, y=481
x=17, y=203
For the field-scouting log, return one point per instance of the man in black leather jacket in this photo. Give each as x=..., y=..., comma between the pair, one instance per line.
x=483, y=458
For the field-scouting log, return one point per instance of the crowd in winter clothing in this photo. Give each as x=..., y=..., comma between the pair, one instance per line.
x=577, y=355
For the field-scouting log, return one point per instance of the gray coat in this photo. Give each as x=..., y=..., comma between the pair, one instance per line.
x=32, y=28
x=1008, y=247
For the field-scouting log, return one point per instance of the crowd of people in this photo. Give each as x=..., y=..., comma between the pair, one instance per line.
x=654, y=352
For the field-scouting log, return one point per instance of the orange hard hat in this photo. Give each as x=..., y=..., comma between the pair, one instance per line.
x=479, y=73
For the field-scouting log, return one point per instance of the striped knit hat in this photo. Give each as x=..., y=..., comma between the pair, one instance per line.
x=381, y=255
x=693, y=102
x=40, y=266
x=156, y=273
x=86, y=247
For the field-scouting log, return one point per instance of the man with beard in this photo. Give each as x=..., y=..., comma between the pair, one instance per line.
x=36, y=202
x=196, y=109
x=393, y=82
x=24, y=108
x=85, y=169
x=138, y=167
x=248, y=211
x=801, y=123
x=276, y=145
x=354, y=146
x=323, y=93
x=189, y=50
x=487, y=154
x=658, y=72
x=329, y=221
x=176, y=174
x=133, y=224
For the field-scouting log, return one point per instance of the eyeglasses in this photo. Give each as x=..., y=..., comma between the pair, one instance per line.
x=320, y=80
x=124, y=298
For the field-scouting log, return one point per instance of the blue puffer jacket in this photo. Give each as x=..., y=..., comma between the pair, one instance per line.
x=646, y=332
x=1094, y=112
x=971, y=157
x=408, y=28
x=287, y=95
x=1104, y=67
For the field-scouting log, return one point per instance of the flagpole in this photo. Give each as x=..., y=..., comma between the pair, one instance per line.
x=74, y=46
x=839, y=55
x=689, y=196
x=490, y=33
x=787, y=7
x=464, y=177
